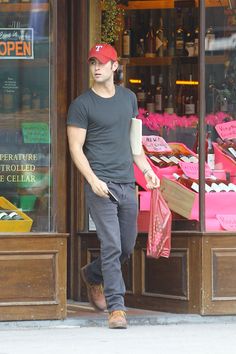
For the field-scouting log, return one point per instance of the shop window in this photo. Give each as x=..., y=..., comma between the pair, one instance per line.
x=160, y=62
x=25, y=138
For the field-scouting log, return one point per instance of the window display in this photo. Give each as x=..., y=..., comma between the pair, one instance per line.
x=162, y=67
x=25, y=144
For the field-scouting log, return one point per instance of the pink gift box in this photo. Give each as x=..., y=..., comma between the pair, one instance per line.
x=186, y=203
x=225, y=162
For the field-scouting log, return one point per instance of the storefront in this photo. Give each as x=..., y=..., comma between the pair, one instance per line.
x=33, y=239
x=179, y=59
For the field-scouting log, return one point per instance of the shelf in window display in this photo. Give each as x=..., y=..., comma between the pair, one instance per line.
x=27, y=7
x=168, y=60
x=10, y=120
x=168, y=4
x=37, y=62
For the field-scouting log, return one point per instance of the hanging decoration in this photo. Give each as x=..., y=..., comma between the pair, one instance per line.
x=111, y=21
x=156, y=121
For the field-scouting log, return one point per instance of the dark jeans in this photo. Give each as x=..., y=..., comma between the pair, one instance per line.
x=116, y=226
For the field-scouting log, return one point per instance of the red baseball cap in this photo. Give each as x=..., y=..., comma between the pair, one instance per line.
x=103, y=52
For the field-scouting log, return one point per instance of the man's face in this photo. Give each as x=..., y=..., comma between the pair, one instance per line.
x=102, y=73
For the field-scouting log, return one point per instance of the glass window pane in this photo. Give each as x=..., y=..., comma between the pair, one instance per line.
x=220, y=114
x=162, y=69
x=25, y=144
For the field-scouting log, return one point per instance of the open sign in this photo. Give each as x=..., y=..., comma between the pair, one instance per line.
x=16, y=43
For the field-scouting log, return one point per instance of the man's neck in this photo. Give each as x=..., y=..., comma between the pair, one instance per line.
x=102, y=90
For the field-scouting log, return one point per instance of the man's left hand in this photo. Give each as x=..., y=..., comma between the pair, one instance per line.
x=152, y=180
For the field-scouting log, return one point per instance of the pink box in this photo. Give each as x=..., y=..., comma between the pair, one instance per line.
x=144, y=211
x=160, y=172
x=144, y=200
x=140, y=179
x=222, y=161
x=186, y=203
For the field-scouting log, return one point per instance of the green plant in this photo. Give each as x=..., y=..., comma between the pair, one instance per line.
x=111, y=21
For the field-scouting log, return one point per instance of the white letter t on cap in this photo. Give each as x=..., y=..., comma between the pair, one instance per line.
x=98, y=47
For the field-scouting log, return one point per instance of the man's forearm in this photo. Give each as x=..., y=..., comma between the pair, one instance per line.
x=81, y=162
x=141, y=162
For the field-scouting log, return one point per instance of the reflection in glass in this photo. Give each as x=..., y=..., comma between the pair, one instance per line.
x=25, y=144
x=220, y=45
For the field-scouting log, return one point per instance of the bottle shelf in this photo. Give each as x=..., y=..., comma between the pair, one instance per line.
x=168, y=4
x=162, y=61
x=14, y=119
x=216, y=59
x=28, y=63
x=143, y=61
x=21, y=7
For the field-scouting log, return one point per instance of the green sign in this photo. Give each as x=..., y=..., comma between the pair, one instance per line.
x=35, y=133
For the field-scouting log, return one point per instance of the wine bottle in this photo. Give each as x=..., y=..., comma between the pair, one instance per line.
x=171, y=43
x=14, y=216
x=192, y=183
x=26, y=99
x=169, y=96
x=232, y=187
x=196, y=41
x=187, y=182
x=126, y=39
x=210, y=154
x=189, y=99
x=211, y=95
x=189, y=41
x=219, y=187
x=150, y=40
x=160, y=41
x=180, y=37
x=189, y=106
x=141, y=97
x=209, y=38
x=159, y=95
x=151, y=95
x=35, y=100
x=228, y=147
x=150, y=102
x=169, y=104
x=161, y=160
x=4, y=215
x=224, y=98
x=140, y=50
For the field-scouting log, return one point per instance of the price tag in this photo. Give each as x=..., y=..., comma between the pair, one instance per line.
x=155, y=143
x=191, y=169
x=227, y=130
x=228, y=222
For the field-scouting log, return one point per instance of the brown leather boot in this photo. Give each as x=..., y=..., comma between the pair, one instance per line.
x=117, y=319
x=95, y=293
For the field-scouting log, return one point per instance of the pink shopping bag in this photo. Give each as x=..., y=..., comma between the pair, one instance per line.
x=159, y=234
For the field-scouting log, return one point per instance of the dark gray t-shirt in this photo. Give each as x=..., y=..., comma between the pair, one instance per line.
x=107, y=121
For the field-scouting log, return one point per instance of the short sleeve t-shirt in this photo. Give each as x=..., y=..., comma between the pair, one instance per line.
x=107, y=121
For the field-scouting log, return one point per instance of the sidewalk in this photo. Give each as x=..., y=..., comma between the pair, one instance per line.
x=85, y=332
x=83, y=315
x=172, y=339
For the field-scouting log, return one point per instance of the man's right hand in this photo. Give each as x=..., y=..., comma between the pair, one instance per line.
x=99, y=187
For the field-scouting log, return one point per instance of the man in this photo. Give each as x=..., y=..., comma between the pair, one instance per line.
x=98, y=132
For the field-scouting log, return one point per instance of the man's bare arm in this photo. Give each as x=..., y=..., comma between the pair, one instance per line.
x=142, y=163
x=76, y=138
